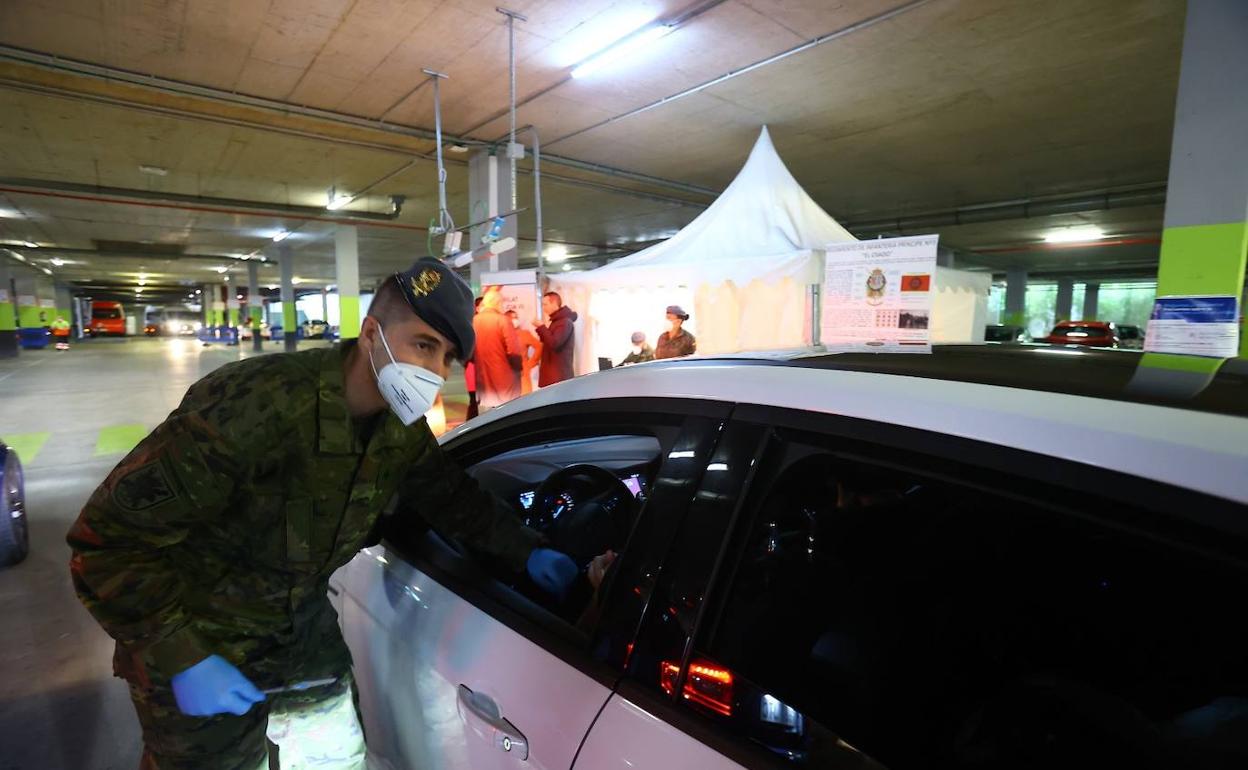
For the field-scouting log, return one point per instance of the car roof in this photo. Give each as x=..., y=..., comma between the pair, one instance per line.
x=1094, y=407
x=1105, y=324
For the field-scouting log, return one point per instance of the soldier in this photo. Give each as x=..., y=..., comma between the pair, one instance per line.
x=207, y=551
x=675, y=342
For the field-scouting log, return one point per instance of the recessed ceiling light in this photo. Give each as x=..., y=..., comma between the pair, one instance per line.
x=281, y=236
x=1075, y=235
x=567, y=268
x=557, y=253
x=199, y=291
x=220, y=268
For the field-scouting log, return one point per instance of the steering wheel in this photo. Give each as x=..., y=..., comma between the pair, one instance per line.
x=598, y=522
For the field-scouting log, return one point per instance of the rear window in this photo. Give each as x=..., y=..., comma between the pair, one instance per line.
x=106, y=314
x=1080, y=331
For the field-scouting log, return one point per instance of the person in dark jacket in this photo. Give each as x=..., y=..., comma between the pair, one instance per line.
x=558, y=340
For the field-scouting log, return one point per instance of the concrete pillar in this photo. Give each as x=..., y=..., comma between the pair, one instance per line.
x=1091, y=296
x=1016, y=296
x=255, y=304
x=289, y=318
x=64, y=302
x=1205, y=243
x=1065, y=298
x=8, y=312
x=489, y=194
x=347, y=272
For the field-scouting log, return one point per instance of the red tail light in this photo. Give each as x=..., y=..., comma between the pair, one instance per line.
x=707, y=685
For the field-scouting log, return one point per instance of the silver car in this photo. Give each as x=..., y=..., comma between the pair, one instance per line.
x=990, y=556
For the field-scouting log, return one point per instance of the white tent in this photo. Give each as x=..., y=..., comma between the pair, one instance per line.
x=742, y=269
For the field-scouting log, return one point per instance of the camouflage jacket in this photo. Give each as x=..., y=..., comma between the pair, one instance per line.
x=218, y=533
x=683, y=344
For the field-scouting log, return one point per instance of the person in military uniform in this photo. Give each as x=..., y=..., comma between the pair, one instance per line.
x=207, y=551
x=675, y=342
x=640, y=353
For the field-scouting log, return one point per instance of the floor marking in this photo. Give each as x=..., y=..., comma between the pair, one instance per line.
x=24, y=368
x=119, y=439
x=27, y=445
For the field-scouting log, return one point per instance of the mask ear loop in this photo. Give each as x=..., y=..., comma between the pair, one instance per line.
x=381, y=332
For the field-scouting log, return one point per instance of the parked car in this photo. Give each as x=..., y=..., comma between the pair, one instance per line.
x=107, y=318
x=1130, y=337
x=315, y=329
x=14, y=538
x=855, y=560
x=1006, y=333
x=1097, y=334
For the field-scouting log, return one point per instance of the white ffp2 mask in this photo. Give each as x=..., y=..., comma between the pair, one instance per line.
x=410, y=390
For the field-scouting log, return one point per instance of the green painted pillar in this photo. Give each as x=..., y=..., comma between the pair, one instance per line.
x=255, y=304
x=290, y=321
x=1016, y=297
x=8, y=314
x=347, y=266
x=1205, y=243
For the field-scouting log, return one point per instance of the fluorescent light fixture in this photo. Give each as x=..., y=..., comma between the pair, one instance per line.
x=220, y=268
x=57, y=261
x=31, y=245
x=44, y=269
x=556, y=253
x=680, y=455
x=154, y=170
x=281, y=236
x=1075, y=235
x=296, y=281
x=717, y=467
x=621, y=48
x=566, y=268
x=19, y=257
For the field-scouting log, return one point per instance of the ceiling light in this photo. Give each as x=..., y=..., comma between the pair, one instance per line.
x=238, y=296
x=620, y=48
x=296, y=281
x=44, y=269
x=567, y=268
x=199, y=291
x=557, y=253
x=281, y=236
x=19, y=257
x=154, y=170
x=1075, y=235
x=31, y=245
x=142, y=282
x=458, y=148
x=220, y=268
x=57, y=261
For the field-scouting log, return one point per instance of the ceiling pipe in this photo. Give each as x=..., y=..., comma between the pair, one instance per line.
x=1024, y=208
x=260, y=207
x=218, y=96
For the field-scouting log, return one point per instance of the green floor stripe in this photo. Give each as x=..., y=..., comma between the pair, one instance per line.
x=119, y=439
x=27, y=445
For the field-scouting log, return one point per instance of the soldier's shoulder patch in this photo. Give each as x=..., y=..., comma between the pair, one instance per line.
x=144, y=487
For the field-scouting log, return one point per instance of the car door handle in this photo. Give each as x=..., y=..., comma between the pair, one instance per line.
x=503, y=734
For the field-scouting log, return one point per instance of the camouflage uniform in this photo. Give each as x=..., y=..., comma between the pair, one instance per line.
x=682, y=344
x=219, y=532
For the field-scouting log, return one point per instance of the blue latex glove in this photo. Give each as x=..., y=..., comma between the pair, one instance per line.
x=213, y=686
x=553, y=571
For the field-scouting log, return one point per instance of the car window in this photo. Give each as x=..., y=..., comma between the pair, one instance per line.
x=107, y=314
x=932, y=623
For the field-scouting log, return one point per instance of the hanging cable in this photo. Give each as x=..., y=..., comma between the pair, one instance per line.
x=445, y=221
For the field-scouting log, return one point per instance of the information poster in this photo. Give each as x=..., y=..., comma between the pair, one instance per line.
x=879, y=293
x=1198, y=326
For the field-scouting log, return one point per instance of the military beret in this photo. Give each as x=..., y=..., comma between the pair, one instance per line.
x=441, y=299
x=677, y=311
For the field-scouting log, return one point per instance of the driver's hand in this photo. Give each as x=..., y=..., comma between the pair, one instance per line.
x=598, y=568
x=552, y=571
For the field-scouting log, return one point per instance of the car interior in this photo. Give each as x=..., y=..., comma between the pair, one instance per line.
x=583, y=494
x=933, y=625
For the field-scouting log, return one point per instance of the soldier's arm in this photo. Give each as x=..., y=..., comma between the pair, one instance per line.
x=452, y=502
x=125, y=541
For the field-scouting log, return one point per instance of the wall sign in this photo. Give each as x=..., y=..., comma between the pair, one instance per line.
x=879, y=292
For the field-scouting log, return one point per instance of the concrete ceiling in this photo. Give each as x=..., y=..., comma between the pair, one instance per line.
x=948, y=104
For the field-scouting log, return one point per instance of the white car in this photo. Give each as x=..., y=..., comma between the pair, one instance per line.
x=985, y=557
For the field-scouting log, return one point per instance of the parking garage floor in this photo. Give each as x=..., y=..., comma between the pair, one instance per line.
x=72, y=416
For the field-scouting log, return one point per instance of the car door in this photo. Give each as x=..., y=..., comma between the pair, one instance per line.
x=458, y=664
x=888, y=597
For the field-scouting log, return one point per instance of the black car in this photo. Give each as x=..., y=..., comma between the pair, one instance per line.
x=14, y=540
x=1006, y=333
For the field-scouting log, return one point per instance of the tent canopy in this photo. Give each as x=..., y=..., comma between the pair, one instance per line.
x=761, y=219
x=743, y=268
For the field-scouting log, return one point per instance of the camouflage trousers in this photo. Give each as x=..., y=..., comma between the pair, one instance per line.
x=316, y=729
